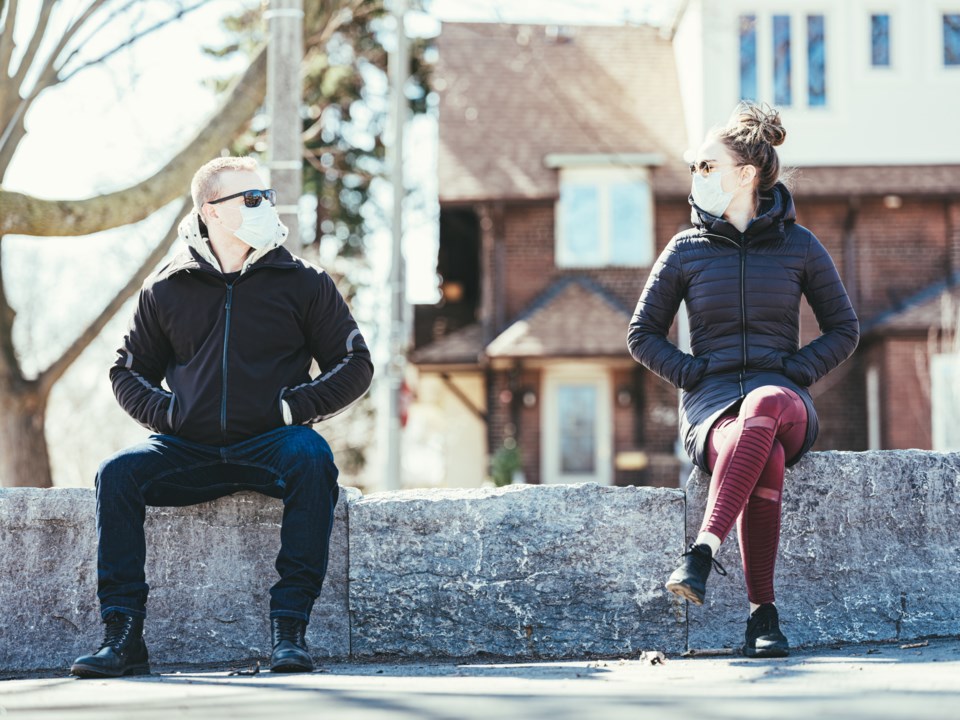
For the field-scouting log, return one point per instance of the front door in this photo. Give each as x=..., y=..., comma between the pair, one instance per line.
x=576, y=424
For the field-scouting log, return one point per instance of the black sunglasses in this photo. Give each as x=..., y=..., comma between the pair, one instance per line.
x=251, y=198
x=701, y=167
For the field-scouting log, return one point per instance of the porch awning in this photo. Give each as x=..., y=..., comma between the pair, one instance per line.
x=573, y=318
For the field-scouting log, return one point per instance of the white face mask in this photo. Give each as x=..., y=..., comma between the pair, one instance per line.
x=709, y=194
x=259, y=225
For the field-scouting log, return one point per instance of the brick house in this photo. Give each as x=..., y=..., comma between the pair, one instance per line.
x=561, y=178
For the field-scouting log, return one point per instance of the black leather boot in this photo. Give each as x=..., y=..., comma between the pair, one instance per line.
x=690, y=579
x=289, y=646
x=123, y=651
x=763, y=638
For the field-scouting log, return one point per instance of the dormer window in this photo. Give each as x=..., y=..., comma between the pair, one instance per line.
x=605, y=213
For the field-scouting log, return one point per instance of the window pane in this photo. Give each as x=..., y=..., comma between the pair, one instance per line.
x=945, y=401
x=577, y=407
x=951, y=39
x=880, y=40
x=782, y=91
x=631, y=241
x=580, y=216
x=748, y=57
x=816, y=62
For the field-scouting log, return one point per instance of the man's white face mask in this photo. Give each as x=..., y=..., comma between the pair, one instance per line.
x=259, y=225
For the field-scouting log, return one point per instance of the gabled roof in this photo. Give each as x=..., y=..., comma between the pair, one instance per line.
x=937, y=307
x=574, y=317
x=461, y=347
x=512, y=94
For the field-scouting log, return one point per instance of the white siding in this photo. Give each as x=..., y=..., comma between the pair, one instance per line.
x=903, y=114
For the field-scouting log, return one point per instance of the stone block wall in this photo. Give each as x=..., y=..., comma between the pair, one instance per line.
x=523, y=571
x=868, y=552
x=209, y=568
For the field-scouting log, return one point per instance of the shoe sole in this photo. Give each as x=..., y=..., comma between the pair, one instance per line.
x=685, y=591
x=291, y=668
x=773, y=652
x=88, y=671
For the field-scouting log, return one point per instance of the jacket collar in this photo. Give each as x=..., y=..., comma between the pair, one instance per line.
x=198, y=254
x=776, y=210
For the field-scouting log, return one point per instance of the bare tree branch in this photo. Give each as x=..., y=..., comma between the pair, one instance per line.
x=10, y=139
x=10, y=372
x=49, y=377
x=31, y=52
x=48, y=75
x=12, y=131
x=25, y=215
x=6, y=39
x=335, y=20
x=129, y=41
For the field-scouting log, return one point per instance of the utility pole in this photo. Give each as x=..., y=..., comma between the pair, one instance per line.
x=284, y=91
x=398, y=69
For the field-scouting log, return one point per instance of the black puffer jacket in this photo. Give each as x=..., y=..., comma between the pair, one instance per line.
x=231, y=349
x=742, y=294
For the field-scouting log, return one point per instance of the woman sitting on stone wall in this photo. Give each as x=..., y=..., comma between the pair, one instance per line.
x=745, y=411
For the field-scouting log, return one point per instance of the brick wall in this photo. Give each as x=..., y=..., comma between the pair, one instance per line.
x=531, y=266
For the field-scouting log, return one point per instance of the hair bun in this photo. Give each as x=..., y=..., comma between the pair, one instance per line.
x=758, y=123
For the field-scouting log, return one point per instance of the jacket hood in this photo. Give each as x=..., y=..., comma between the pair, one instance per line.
x=776, y=209
x=189, y=232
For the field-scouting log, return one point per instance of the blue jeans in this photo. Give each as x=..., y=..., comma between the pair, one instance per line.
x=294, y=464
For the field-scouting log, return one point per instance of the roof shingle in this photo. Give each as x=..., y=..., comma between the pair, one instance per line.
x=573, y=318
x=511, y=94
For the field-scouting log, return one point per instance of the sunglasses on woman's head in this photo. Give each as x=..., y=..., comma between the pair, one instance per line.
x=251, y=198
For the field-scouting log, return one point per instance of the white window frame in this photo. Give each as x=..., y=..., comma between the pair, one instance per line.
x=948, y=7
x=603, y=178
x=945, y=399
x=799, y=50
x=583, y=373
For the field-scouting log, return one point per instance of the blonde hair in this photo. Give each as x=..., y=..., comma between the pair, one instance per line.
x=205, y=185
x=751, y=135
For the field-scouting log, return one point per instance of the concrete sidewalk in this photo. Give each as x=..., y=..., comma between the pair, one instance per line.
x=872, y=682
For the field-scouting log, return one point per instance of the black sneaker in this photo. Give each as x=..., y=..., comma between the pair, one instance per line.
x=689, y=581
x=289, y=646
x=123, y=651
x=763, y=636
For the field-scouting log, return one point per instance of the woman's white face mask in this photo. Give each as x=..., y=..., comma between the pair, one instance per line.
x=708, y=192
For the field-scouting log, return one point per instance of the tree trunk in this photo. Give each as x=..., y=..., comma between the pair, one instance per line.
x=24, y=460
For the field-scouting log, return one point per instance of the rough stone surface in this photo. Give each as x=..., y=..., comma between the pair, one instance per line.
x=868, y=551
x=209, y=568
x=523, y=571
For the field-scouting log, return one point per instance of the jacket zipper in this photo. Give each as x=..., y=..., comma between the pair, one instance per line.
x=742, y=247
x=226, y=345
x=743, y=307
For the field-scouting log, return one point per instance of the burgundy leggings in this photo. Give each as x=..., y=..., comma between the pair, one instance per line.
x=746, y=453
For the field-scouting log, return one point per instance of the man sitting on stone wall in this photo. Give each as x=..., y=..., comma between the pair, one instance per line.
x=232, y=324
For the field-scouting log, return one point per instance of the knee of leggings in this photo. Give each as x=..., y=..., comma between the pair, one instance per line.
x=768, y=400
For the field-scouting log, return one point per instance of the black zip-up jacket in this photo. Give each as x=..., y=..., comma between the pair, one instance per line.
x=742, y=294
x=230, y=352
